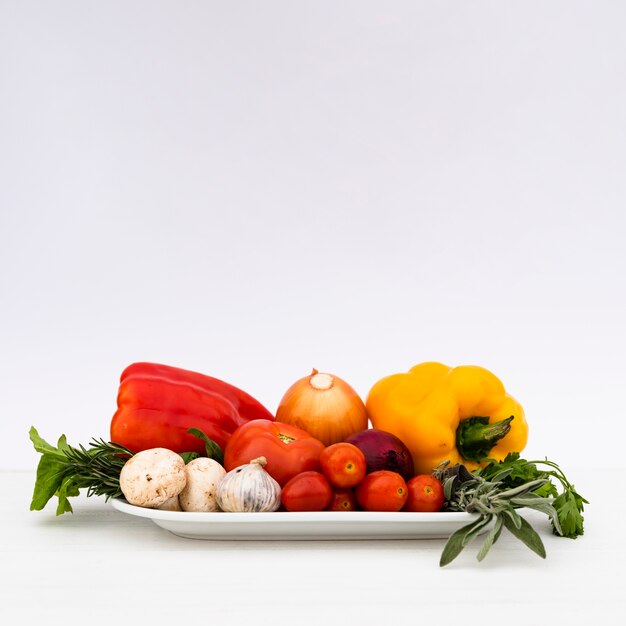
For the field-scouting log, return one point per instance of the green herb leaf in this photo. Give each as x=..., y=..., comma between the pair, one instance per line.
x=40, y=444
x=568, y=507
x=49, y=480
x=514, y=517
x=513, y=471
x=457, y=541
x=62, y=445
x=491, y=538
x=524, y=532
x=213, y=450
x=448, y=487
x=189, y=456
x=547, y=490
x=544, y=505
x=520, y=490
x=68, y=489
x=483, y=521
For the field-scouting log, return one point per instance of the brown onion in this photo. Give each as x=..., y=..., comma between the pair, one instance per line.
x=325, y=406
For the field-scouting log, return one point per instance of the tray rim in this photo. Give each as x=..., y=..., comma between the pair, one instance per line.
x=221, y=517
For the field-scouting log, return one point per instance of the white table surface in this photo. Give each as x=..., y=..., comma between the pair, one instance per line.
x=107, y=567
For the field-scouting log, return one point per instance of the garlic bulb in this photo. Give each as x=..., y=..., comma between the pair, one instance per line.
x=248, y=488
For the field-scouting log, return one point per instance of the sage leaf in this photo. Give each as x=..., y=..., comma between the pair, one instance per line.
x=522, y=489
x=456, y=542
x=526, y=534
x=543, y=505
x=448, y=487
x=474, y=532
x=515, y=518
x=491, y=538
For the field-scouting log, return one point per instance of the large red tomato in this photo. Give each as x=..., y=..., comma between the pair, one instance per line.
x=287, y=449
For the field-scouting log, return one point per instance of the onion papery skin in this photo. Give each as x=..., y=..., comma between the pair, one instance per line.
x=324, y=405
x=384, y=451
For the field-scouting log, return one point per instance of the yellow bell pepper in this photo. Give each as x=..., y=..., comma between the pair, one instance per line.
x=460, y=414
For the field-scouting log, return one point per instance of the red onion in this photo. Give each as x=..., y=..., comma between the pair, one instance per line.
x=383, y=451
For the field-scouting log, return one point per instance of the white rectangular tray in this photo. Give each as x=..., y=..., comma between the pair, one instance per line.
x=322, y=525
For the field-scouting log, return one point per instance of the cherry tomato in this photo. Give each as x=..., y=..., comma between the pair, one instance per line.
x=425, y=494
x=288, y=450
x=382, y=490
x=307, y=491
x=343, y=464
x=343, y=500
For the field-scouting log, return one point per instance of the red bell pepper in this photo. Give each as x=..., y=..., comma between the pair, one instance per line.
x=157, y=404
x=288, y=450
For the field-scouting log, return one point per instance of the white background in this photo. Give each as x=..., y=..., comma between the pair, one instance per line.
x=254, y=189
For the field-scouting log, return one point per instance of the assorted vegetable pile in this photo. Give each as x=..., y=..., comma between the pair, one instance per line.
x=442, y=439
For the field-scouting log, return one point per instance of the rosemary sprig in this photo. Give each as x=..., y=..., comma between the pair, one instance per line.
x=98, y=468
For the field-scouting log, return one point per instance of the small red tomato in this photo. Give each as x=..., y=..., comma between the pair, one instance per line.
x=382, y=490
x=343, y=500
x=307, y=491
x=343, y=464
x=425, y=494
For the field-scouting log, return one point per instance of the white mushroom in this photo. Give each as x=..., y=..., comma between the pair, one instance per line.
x=170, y=505
x=151, y=477
x=203, y=475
